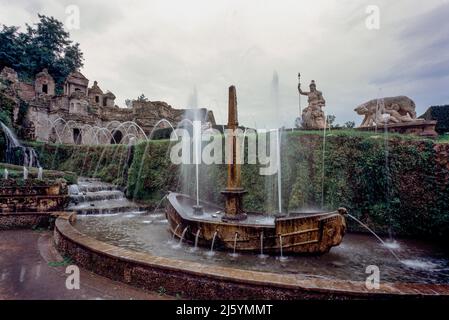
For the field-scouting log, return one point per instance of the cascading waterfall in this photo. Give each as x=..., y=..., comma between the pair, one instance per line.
x=29, y=159
x=5, y=174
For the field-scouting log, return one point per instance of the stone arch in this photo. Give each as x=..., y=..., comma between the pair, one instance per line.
x=117, y=137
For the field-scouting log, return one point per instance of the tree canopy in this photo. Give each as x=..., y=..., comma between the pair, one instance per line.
x=45, y=44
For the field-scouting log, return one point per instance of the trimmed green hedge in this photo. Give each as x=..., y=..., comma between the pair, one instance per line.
x=106, y=162
x=404, y=190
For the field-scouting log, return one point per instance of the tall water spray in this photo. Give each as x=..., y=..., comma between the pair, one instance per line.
x=279, y=173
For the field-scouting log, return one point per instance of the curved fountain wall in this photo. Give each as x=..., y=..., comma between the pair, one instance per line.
x=213, y=282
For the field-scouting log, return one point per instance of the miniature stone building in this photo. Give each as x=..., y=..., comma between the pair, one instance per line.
x=44, y=83
x=65, y=117
x=76, y=81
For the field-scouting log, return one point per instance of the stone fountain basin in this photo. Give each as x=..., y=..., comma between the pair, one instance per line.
x=205, y=281
x=296, y=233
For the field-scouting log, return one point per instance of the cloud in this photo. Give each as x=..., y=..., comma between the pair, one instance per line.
x=165, y=49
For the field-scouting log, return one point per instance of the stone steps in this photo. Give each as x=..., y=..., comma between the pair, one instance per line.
x=91, y=196
x=97, y=196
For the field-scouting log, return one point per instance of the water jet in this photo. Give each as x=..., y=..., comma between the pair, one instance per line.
x=300, y=232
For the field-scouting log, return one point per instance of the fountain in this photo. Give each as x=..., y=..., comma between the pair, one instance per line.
x=301, y=232
x=279, y=174
x=196, y=239
x=29, y=159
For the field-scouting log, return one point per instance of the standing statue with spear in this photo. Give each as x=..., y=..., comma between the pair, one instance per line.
x=312, y=117
x=298, y=120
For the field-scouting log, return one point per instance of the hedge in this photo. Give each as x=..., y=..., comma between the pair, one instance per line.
x=397, y=185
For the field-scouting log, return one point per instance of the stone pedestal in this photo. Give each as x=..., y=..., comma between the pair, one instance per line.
x=419, y=128
x=234, y=206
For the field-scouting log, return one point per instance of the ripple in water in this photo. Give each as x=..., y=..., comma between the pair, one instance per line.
x=420, y=264
x=392, y=244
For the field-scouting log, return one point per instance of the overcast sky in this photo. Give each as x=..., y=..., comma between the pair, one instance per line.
x=169, y=50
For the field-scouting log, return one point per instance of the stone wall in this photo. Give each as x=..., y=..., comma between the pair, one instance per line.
x=83, y=111
x=31, y=204
x=31, y=197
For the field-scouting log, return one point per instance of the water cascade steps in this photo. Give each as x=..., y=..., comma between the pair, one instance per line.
x=91, y=196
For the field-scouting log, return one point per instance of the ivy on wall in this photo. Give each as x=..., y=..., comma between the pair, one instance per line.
x=398, y=185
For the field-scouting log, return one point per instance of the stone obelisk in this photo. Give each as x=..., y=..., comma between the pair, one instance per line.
x=234, y=190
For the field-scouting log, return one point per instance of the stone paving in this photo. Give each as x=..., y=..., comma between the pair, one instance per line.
x=31, y=268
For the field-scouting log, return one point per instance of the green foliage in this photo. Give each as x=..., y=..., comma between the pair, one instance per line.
x=49, y=176
x=151, y=173
x=393, y=183
x=441, y=115
x=43, y=45
x=6, y=109
x=6, y=116
x=349, y=124
x=66, y=261
x=330, y=119
x=106, y=162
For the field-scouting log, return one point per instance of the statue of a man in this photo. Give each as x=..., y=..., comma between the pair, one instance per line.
x=313, y=116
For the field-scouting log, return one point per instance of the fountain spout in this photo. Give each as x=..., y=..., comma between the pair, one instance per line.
x=234, y=191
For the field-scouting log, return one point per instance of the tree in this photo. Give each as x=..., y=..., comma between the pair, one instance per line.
x=9, y=47
x=330, y=120
x=349, y=124
x=43, y=45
